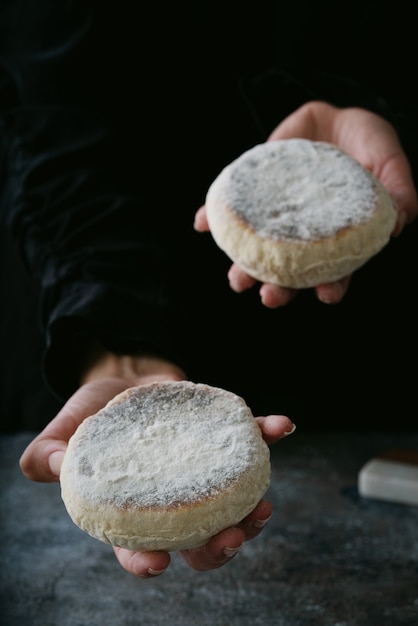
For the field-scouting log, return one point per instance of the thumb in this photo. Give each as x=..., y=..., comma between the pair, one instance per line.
x=41, y=461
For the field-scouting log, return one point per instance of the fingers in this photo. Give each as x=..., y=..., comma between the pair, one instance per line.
x=143, y=564
x=217, y=552
x=41, y=461
x=239, y=280
x=332, y=293
x=225, y=545
x=275, y=427
x=274, y=296
x=254, y=523
x=200, y=220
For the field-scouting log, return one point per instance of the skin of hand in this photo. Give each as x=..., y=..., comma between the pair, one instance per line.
x=105, y=376
x=365, y=136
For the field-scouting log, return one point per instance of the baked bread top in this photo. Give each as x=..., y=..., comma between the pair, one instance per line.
x=299, y=213
x=165, y=466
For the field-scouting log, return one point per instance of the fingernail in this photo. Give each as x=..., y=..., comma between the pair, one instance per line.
x=260, y=523
x=230, y=552
x=55, y=461
x=289, y=432
x=155, y=572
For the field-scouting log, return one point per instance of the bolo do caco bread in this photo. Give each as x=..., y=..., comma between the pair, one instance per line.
x=165, y=466
x=299, y=213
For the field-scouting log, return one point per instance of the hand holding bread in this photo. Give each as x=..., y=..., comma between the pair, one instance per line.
x=298, y=213
x=272, y=236
x=165, y=466
x=110, y=376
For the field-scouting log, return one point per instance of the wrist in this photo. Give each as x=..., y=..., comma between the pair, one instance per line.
x=135, y=369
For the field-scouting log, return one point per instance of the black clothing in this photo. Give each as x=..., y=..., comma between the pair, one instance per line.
x=114, y=120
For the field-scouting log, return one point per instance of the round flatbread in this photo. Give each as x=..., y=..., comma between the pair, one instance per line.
x=299, y=213
x=165, y=466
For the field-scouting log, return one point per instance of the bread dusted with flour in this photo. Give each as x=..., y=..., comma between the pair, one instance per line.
x=165, y=466
x=299, y=213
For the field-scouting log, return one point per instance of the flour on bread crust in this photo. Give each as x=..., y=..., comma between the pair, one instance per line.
x=299, y=213
x=165, y=466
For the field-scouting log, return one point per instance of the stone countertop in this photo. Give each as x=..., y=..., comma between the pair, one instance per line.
x=328, y=557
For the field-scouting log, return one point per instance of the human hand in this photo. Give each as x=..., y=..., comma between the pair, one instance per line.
x=108, y=376
x=226, y=544
x=368, y=138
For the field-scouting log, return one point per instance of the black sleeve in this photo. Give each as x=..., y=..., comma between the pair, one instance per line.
x=89, y=239
x=82, y=94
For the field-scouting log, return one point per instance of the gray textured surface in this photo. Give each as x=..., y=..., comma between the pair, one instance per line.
x=327, y=557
